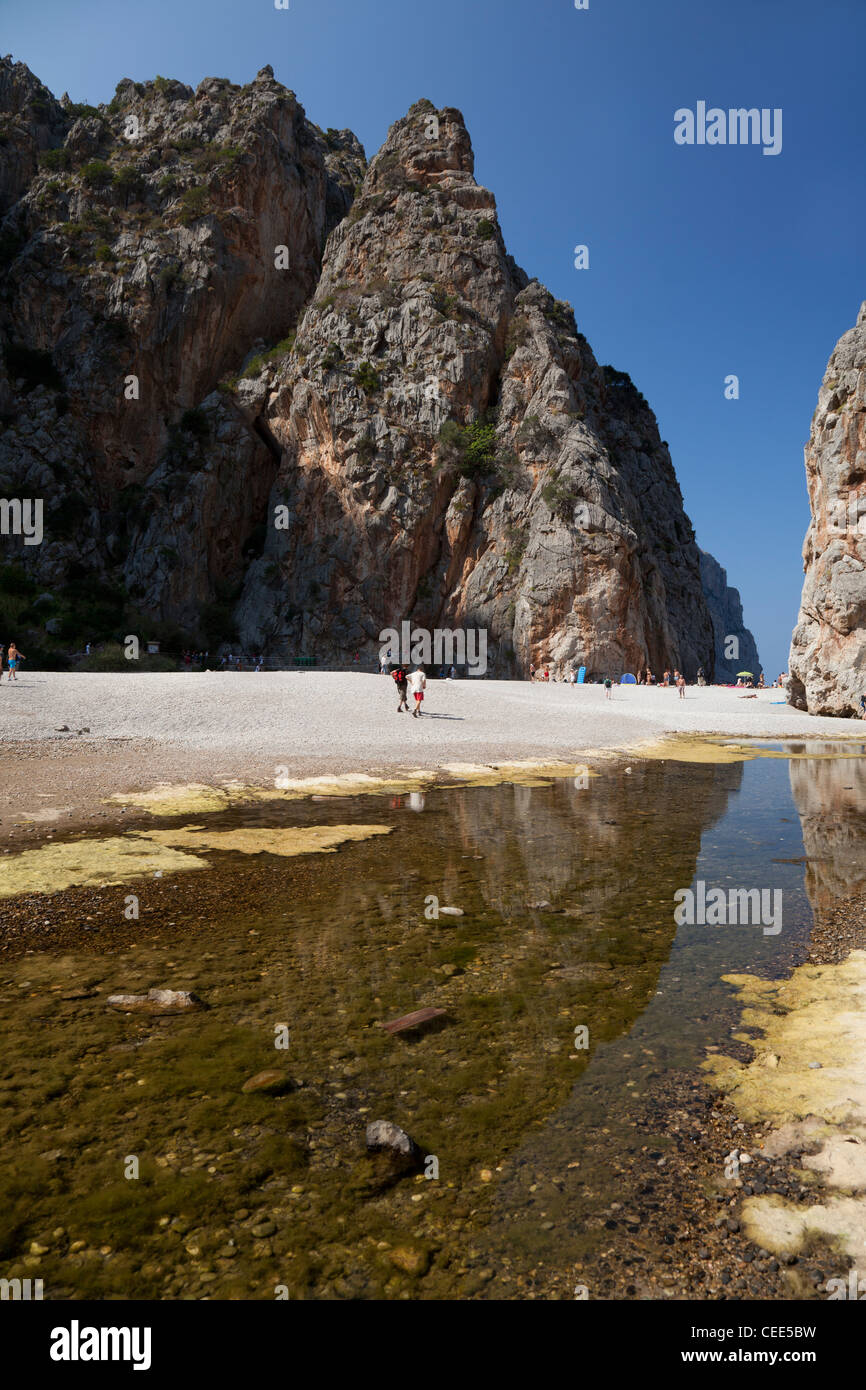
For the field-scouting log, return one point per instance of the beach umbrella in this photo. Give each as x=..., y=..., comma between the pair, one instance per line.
x=628, y=680
x=745, y=673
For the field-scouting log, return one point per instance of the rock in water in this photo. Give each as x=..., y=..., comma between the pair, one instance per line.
x=273, y=1082
x=384, y=1135
x=157, y=1001
x=828, y=650
x=392, y=1152
x=413, y=1020
x=726, y=612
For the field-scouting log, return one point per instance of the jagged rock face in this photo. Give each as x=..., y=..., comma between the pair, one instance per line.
x=828, y=649
x=453, y=454
x=30, y=120
x=155, y=257
x=726, y=612
x=439, y=437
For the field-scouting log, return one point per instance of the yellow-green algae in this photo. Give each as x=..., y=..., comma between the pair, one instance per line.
x=808, y=1081
x=705, y=748
x=287, y=842
x=92, y=863
x=708, y=748
x=195, y=798
x=122, y=858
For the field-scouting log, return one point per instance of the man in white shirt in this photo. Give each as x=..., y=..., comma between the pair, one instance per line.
x=417, y=684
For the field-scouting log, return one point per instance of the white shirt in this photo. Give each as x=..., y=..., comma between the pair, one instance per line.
x=417, y=681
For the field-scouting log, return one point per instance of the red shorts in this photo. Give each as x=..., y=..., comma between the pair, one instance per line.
x=419, y=694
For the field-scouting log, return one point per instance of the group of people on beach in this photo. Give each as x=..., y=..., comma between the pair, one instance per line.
x=228, y=662
x=13, y=658
x=671, y=678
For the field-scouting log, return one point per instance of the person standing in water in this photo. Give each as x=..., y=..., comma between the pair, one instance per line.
x=418, y=684
x=13, y=657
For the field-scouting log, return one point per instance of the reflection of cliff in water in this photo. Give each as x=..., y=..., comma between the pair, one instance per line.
x=830, y=796
x=567, y=901
x=609, y=843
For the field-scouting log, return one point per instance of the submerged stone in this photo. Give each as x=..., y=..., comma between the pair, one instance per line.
x=272, y=1082
x=414, y=1020
x=157, y=1001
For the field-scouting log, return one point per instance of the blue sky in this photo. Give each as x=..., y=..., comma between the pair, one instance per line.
x=704, y=261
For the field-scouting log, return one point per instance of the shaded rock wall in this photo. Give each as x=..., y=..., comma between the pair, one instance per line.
x=726, y=612
x=828, y=648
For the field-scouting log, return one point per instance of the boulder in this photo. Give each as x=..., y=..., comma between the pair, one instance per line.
x=157, y=1001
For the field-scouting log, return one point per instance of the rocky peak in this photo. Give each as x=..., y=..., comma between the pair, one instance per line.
x=30, y=120
x=453, y=454
x=428, y=146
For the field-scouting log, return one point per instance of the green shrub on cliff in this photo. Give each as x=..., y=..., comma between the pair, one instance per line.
x=194, y=203
x=55, y=159
x=97, y=174
x=368, y=379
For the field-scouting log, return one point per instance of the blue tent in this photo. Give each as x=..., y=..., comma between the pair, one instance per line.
x=627, y=680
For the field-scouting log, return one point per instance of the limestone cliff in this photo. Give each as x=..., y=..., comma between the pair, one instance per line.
x=140, y=266
x=726, y=612
x=266, y=391
x=453, y=453
x=828, y=649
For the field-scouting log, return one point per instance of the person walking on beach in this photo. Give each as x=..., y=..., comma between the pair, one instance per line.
x=702, y=680
x=418, y=684
x=608, y=688
x=401, y=682
x=13, y=657
x=681, y=684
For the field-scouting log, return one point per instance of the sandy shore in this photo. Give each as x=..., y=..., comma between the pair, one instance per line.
x=212, y=727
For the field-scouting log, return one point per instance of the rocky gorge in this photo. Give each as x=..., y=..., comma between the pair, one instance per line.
x=275, y=395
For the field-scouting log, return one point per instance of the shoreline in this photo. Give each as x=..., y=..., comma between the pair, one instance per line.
x=74, y=746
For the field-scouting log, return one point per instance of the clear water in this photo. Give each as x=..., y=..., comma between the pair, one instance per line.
x=239, y=1194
